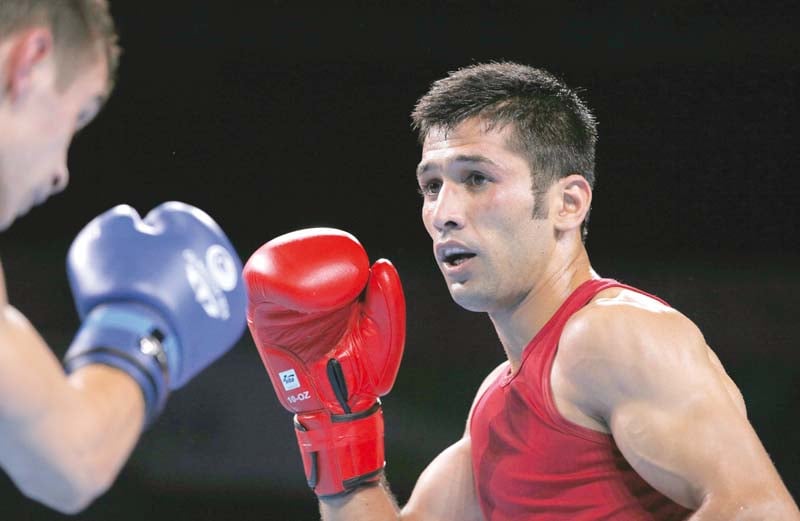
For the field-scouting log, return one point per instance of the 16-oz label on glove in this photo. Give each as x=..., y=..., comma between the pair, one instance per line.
x=289, y=379
x=299, y=397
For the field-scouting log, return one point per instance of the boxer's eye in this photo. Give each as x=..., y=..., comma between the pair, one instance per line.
x=476, y=179
x=430, y=188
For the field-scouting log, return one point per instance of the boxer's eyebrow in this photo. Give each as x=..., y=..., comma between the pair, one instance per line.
x=425, y=167
x=422, y=168
x=475, y=158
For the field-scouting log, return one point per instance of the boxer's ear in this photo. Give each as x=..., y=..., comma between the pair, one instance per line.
x=572, y=199
x=28, y=51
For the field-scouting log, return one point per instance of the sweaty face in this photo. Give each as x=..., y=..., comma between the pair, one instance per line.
x=38, y=126
x=478, y=208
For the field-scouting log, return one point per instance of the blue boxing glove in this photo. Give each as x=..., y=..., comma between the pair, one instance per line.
x=160, y=298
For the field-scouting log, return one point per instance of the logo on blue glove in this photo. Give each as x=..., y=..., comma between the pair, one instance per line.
x=210, y=279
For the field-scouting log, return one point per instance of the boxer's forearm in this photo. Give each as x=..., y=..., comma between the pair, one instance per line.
x=74, y=450
x=113, y=419
x=62, y=440
x=373, y=503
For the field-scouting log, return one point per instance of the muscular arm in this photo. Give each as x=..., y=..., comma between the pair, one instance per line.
x=646, y=371
x=62, y=439
x=445, y=491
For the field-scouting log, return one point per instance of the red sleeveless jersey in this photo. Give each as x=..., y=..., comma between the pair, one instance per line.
x=530, y=463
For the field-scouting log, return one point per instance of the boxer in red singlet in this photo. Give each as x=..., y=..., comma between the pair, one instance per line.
x=610, y=406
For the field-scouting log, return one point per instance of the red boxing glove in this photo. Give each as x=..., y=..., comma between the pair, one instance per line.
x=330, y=331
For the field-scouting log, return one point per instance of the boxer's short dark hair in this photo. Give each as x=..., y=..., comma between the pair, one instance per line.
x=552, y=127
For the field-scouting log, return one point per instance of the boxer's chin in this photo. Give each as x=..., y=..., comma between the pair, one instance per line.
x=469, y=296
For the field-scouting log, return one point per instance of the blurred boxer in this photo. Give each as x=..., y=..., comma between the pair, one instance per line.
x=160, y=297
x=610, y=405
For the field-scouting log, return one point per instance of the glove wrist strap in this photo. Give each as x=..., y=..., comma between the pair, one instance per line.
x=129, y=337
x=341, y=452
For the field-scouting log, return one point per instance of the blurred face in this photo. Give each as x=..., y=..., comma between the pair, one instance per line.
x=38, y=126
x=478, y=208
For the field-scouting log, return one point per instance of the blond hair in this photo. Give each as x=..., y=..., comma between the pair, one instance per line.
x=80, y=29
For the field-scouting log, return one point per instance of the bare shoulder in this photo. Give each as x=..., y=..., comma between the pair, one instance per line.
x=625, y=344
x=621, y=324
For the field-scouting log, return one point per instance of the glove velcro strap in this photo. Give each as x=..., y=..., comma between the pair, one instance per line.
x=129, y=337
x=341, y=452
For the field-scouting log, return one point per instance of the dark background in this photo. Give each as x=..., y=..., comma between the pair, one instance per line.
x=280, y=117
